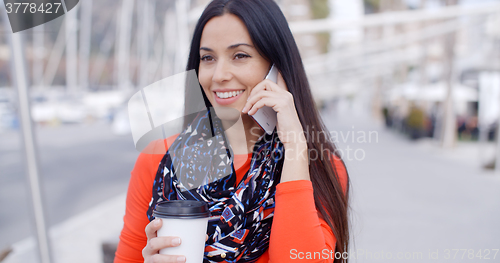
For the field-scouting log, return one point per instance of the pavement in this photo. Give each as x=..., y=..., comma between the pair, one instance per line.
x=79, y=239
x=415, y=201
x=410, y=201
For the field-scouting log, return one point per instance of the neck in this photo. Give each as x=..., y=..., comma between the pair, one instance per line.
x=243, y=134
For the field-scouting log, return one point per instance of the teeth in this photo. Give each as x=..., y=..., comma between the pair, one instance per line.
x=225, y=95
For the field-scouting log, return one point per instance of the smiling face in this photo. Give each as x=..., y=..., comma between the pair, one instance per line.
x=230, y=65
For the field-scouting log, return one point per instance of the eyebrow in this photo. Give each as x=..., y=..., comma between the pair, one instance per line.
x=230, y=47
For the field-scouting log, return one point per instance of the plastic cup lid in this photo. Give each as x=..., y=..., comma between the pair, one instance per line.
x=181, y=209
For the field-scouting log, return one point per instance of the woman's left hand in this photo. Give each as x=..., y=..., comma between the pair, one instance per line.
x=277, y=96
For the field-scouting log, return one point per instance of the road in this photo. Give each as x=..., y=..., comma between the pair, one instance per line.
x=81, y=166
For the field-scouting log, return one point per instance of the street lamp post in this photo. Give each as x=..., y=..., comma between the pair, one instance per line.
x=20, y=79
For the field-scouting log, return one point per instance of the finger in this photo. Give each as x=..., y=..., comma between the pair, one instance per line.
x=258, y=96
x=167, y=258
x=152, y=227
x=206, y=238
x=261, y=103
x=157, y=243
x=262, y=86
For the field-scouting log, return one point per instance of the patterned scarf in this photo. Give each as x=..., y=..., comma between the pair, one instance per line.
x=200, y=158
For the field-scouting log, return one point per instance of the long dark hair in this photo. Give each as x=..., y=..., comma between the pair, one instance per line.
x=273, y=39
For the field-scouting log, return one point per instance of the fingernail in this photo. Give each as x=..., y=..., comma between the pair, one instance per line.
x=244, y=109
x=181, y=259
x=176, y=241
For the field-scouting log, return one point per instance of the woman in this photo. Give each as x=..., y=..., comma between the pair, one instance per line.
x=280, y=218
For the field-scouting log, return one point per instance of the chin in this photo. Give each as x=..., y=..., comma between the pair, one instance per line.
x=227, y=113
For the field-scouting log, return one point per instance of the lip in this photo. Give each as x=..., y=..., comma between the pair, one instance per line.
x=229, y=100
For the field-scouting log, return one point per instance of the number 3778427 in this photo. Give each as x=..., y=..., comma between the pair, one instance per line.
x=470, y=253
x=47, y=8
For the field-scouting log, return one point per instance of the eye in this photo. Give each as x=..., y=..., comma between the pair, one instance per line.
x=241, y=55
x=207, y=58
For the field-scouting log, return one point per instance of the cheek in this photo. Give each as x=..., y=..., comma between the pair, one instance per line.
x=251, y=80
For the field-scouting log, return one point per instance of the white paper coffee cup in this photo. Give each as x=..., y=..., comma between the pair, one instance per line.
x=187, y=219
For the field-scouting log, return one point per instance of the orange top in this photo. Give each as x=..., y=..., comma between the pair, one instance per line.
x=293, y=234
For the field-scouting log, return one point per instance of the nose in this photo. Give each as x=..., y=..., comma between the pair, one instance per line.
x=222, y=72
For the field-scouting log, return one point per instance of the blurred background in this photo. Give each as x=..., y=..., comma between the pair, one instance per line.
x=410, y=90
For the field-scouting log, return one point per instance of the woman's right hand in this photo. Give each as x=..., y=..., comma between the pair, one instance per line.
x=155, y=243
